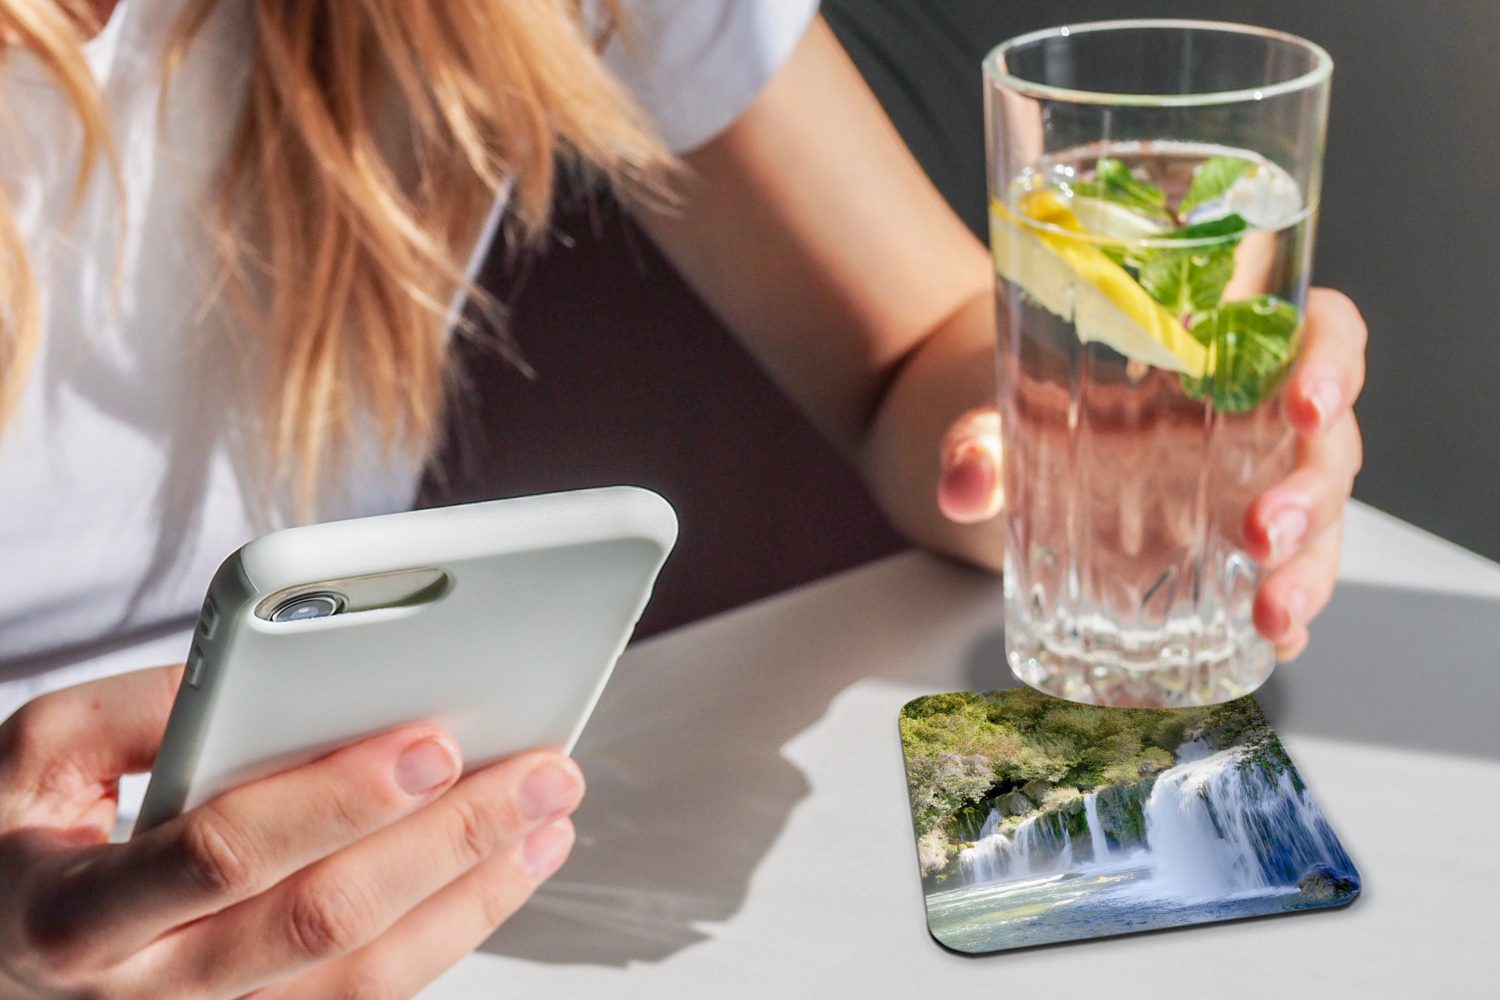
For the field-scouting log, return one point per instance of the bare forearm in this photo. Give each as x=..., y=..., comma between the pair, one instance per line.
x=950, y=372
x=811, y=230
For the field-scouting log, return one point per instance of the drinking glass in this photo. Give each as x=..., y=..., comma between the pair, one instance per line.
x=1153, y=188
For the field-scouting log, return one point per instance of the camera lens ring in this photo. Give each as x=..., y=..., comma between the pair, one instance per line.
x=308, y=606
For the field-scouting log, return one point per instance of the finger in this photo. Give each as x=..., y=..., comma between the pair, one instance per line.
x=100, y=730
x=113, y=902
x=1301, y=506
x=351, y=898
x=1294, y=594
x=1331, y=371
x=969, y=487
x=442, y=929
x=1290, y=648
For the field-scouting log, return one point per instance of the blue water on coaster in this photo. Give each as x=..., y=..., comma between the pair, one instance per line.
x=1212, y=827
x=1221, y=840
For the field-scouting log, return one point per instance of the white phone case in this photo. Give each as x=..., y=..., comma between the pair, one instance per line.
x=541, y=595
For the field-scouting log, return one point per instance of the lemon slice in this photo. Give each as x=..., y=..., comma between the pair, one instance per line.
x=1116, y=222
x=1076, y=281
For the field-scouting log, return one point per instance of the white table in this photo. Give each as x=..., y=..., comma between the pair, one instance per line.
x=746, y=832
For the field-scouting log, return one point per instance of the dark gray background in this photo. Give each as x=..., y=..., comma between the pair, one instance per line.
x=1411, y=201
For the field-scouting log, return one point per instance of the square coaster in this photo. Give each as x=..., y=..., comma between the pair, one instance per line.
x=1039, y=820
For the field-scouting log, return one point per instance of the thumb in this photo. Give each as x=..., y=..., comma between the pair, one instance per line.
x=970, y=487
x=101, y=729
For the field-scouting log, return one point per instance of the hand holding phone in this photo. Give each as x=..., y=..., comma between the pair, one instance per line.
x=375, y=862
x=318, y=870
x=498, y=621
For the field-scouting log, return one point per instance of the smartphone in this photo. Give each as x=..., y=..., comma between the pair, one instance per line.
x=500, y=621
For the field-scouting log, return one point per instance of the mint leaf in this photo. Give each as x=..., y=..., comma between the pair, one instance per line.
x=1229, y=225
x=1114, y=182
x=1211, y=180
x=1250, y=345
x=1187, y=281
x=1192, y=279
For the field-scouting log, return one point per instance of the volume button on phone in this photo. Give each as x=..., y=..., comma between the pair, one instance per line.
x=194, y=673
x=208, y=618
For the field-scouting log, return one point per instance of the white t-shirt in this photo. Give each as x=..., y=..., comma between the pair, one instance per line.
x=125, y=477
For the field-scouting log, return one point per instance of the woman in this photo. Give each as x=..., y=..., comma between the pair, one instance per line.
x=232, y=239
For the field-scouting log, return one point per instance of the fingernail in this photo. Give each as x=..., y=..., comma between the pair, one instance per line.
x=425, y=765
x=549, y=790
x=544, y=851
x=1296, y=607
x=968, y=450
x=977, y=463
x=1285, y=531
x=971, y=479
x=1324, y=395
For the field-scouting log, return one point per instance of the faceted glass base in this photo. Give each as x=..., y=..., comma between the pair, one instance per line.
x=1170, y=683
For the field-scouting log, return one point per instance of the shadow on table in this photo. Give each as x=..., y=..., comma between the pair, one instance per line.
x=688, y=787
x=1396, y=667
x=1386, y=665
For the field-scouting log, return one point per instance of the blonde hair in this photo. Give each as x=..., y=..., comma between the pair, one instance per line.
x=346, y=255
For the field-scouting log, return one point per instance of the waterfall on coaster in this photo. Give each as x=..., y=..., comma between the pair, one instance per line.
x=1211, y=827
x=1039, y=844
x=1100, y=821
x=1098, y=843
x=1214, y=827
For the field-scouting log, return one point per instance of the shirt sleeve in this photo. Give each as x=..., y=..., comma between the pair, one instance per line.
x=695, y=65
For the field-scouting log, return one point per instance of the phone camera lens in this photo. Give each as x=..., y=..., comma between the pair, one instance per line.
x=306, y=606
